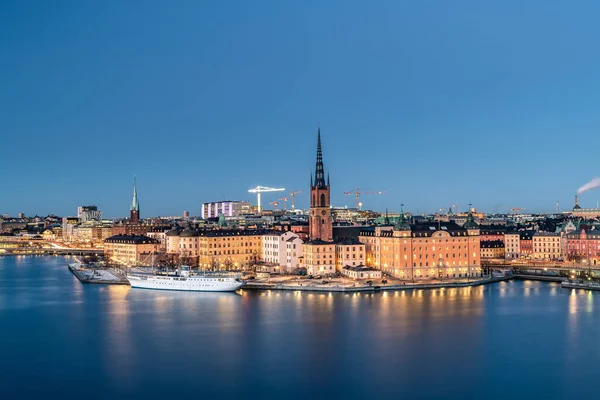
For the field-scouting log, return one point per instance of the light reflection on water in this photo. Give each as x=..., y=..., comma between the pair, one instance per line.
x=228, y=344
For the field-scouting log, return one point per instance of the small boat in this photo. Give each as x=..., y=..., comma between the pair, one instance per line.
x=184, y=280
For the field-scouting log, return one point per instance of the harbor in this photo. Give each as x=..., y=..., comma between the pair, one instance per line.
x=100, y=274
x=238, y=333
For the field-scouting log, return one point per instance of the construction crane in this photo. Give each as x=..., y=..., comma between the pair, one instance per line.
x=284, y=199
x=456, y=207
x=356, y=192
x=274, y=204
x=262, y=189
x=293, y=194
x=515, y=210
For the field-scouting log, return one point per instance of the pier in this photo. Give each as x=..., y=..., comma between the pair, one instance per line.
x=581, y=285
x=109, y=276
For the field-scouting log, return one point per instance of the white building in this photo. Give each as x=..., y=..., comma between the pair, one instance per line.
x=361, y=272
x=512, y=245
x=547, y=246
x=161, y=238
x=227, y=208
x=69, y=227
x=283, y=249
x=88, y=213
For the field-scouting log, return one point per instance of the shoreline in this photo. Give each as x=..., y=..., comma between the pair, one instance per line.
x=410, y=286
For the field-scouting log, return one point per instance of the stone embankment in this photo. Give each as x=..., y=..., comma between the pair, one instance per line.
x=360, y=287
x=109, y=276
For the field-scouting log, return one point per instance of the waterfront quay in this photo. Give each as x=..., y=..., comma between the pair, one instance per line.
x=52, y=252
x=95, y=275
x=291, y=285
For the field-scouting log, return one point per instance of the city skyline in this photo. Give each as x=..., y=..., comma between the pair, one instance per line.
x=469, y=103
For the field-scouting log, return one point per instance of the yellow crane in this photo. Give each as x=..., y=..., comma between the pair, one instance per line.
x=293, y=193
x=357, y=192
x=284, y=199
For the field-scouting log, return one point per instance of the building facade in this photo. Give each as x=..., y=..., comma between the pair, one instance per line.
x=547, y=246
x=130, y=249
x=361, y=272
x=283, y=249
x=434, y=250
x=228, y=208
x=583, y=246
x=88, y=213
x=349, y=253
x=230, y=249
x=512, y=245
x=492, y=249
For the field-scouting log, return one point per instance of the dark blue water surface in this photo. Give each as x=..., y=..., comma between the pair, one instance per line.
x=62, y=339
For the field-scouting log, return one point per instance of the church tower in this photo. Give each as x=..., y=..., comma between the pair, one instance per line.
x=321, y=223
x=134, y=211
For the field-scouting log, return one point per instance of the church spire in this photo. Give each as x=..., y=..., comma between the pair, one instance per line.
x=135, y=205
x=319, y=171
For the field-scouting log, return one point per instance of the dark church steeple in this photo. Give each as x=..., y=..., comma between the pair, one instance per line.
x=134, y=210
x=319, y=171
x=321, y=223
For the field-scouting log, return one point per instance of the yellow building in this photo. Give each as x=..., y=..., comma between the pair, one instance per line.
x=492, y=249
x=230, y=249
x=547, y=246
x=319, y=257
x=130, y=249
x=349, y=252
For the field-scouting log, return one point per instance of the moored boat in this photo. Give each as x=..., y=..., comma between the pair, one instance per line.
x=184, y=280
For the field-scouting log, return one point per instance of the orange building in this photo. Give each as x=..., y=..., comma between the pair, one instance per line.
x=424, y=250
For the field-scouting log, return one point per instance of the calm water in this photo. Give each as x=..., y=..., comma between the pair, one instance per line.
x=514, y=339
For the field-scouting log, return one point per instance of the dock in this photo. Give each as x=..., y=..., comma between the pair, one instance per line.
x=361, y=287
x=581, y=285
x=106, y=276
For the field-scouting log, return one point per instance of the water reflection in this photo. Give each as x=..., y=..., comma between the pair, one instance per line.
x=294, y=344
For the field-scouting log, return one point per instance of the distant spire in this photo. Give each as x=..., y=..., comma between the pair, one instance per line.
x=401, y=224
x=386, y=221
x=319, y=172
x=328, y=182
x=135, y=204
x=311, y=180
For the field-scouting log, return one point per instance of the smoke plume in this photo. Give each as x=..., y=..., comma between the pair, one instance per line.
x=594, y=183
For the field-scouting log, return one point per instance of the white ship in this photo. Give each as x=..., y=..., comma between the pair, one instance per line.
x=184, y=280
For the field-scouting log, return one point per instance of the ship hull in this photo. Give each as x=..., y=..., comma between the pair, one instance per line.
x=189, y=284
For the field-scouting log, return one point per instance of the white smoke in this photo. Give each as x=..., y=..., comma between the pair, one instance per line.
x=594, y=183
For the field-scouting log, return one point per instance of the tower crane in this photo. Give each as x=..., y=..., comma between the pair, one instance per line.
x=356, y=192
x=293, y=193
x=284, y=199
x=262, y=189
x=515, y=210
x=456, y=207
x=274, y=204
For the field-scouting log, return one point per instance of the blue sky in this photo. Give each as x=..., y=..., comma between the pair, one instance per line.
x=494, y=103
